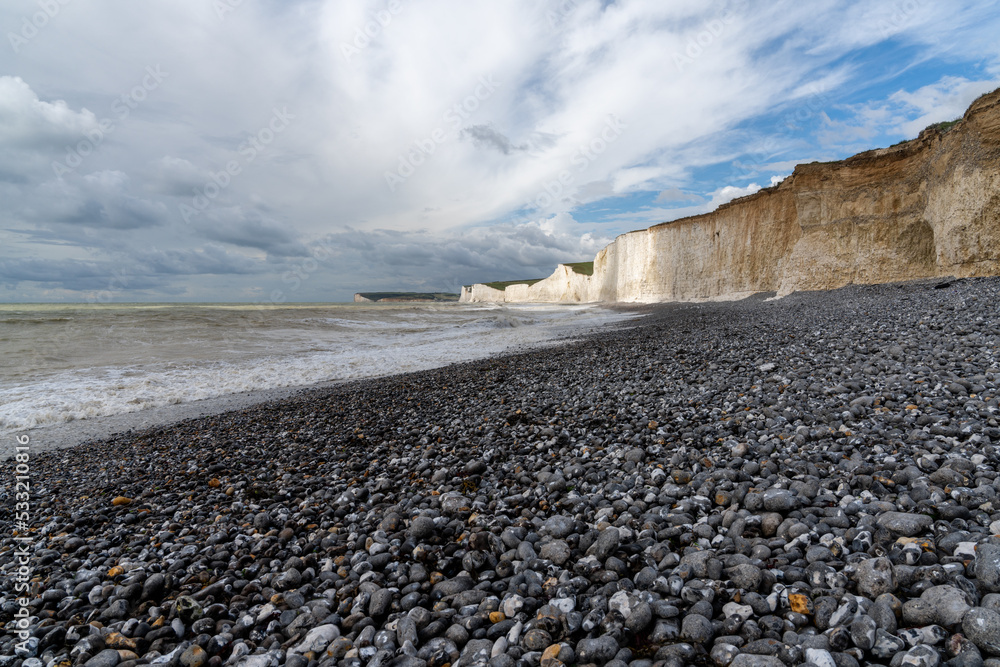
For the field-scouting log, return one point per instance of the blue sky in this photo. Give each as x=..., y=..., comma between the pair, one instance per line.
x=306, y=150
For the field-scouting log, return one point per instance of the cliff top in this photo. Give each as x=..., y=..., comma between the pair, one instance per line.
x=926, y=139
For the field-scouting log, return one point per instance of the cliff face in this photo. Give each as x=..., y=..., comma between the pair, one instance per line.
x=564, y=285
x=925, y=208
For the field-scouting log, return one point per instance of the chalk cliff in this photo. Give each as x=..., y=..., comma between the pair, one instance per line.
x=925, y=208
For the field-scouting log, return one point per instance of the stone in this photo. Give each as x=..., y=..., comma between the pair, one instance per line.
x=188, y=609
x=536, y=639
x=875, y=576
x=922, y=656
x=748, y=660
x=597, y=651
x=605, y=544
x=316, y=639
x=745, y=576
x=556, y=551
x=421, y=527
x=987, y=567
x=800, y=604
x=863, y=630
x=780, y=500
x=696, y=629
x=949, y=604
x=886, y=645
x=982, y=627
x=640, y=617
x=558, y=526
x=152, y=589
x=194, y=656
x=918, y=612
x=476, y=651
x=107, y=658
x=452, y=503
x=820, y=657
x=511, y=605
x=905, y=524
x=380, y=603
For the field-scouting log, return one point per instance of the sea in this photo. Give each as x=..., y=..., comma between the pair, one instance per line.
x=66, y=362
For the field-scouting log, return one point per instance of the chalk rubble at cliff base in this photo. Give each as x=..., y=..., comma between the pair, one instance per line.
x=811, y=481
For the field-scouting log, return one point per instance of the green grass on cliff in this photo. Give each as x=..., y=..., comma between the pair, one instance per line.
x=504, y=284
x=945, y=126
x=583, y=268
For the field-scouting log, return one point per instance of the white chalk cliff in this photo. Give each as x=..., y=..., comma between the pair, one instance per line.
x=925, y=208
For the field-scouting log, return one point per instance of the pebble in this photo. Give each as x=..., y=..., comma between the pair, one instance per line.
x=597, y=651
x=987, y=567
x=875, y=577
x=982, y=627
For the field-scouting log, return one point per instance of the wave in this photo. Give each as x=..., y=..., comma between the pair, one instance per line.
x=179, y=362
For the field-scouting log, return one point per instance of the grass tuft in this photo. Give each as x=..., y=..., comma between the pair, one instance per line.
x=583, y=268
x=504, y=284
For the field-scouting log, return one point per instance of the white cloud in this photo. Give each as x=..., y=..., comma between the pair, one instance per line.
x=905, y=113
x=28, y=122
x=945, y=100
x=502, y=104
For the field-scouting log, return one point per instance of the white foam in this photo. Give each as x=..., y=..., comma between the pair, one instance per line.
x=289, y=355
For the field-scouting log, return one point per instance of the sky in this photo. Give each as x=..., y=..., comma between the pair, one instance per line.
x=303, y=150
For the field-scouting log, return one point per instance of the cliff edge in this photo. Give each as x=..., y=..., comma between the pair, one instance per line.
x=924, y=208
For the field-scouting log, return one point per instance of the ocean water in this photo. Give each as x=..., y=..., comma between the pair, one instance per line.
x=64, y=362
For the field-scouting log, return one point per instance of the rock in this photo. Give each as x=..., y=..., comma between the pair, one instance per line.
x=949, y=604
x=606, y=544
x=820, y=657
x=987, y=567
x=453, y=586
x=380, y=603
x=452, y=503
x=556, y=551
x=194, y=656
x=536, y=639
x=982, y=627
x=476, y=651
x=421, y=528
x=558, y=526
x=639, y=618
x=723, y=654
x=886, y=645
x=922, y=656
x=747, y=660
x=696, y=629
x=745, y=576
x=780, y=500
x=905, y=524
x=875, y=576
x=863, y=630
x=188, y=609
x=918, y=612
x=316, y=639
x=152, y=589
x=511, y=605
x=597, y=651
x=107, y=658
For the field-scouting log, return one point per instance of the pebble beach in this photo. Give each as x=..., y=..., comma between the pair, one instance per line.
x=811, y=480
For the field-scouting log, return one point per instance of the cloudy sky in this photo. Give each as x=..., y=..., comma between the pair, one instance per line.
x=303, y=150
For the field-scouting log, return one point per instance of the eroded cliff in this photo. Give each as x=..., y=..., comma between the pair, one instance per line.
x=922, y=209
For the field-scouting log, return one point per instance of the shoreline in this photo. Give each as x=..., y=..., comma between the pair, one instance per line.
x=71, y=434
